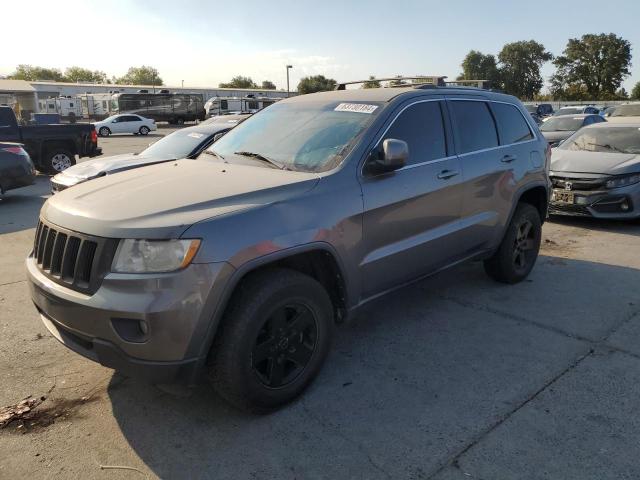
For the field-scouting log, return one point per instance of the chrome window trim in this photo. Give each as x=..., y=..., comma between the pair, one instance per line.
x=413, y=165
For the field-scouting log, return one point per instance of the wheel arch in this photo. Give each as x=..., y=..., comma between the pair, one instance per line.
x=536, y=196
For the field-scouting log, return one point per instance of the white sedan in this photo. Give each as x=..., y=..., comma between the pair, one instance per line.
x=125, y=123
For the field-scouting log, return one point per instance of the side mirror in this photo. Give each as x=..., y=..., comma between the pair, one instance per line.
x=394, y=155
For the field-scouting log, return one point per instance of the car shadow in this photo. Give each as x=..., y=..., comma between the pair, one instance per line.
x=414, y=377
x=627, y=227
x=20, y=208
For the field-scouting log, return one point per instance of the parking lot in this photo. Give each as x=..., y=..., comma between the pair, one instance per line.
x=455, y=377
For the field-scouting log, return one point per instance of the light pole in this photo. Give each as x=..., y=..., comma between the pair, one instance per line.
x=288, y=67
x=182, y=83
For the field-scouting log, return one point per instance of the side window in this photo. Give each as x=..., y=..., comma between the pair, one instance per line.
x=512, y=126
x=475, y=127
x=224, y=105
x=6, y=117
x=422, y=128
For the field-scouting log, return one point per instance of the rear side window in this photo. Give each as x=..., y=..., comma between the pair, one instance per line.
x=512, y=126
x=422, y=128
x=475, y=127
x=6, y=117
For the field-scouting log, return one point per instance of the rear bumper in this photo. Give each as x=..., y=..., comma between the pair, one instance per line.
x=11, y=183
x=94, y=153
x=176, y=308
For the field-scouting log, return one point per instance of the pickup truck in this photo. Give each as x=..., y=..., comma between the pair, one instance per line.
x=53, y=148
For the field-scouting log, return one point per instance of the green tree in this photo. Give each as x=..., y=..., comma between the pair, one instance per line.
x=239, y=82
x=140, y=76
x=478, y=66
x=520, y=64
x=27, y=72
x=597, y=63
x=316, y=83
x=79, y=74
x=268, y=85
x=635, y=92
x=371, y=83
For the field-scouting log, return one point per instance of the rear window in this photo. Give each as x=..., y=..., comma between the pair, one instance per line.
x=475, y=127
x=421, y=127
x=512, y=126
x=6, y=117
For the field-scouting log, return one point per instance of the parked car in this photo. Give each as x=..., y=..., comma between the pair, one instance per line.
x=627, y=113
x=16, y=168
x=557, y=129
x=184, y=143
x=607, y=111
x=238, y=265
x=125, y=123
x=576, y=110
x=541, y=110
x=52, y=148
x=596, y=172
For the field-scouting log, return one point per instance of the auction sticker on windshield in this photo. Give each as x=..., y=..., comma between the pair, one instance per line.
x=356, y=107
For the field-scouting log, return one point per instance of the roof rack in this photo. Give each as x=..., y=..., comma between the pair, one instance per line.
x=431, y=80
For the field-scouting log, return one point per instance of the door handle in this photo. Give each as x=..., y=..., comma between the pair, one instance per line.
x=446, y=174
x=508, y=158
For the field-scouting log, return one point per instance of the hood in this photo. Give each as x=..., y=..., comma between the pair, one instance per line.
x=594, y=162
x=101, y=166
x=161, y=201
x=556, y=136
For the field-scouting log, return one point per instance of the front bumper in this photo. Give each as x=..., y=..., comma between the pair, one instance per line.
x=617, y=203
x=177, y=309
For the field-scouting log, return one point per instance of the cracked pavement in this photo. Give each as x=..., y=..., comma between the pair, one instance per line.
x=455, y=377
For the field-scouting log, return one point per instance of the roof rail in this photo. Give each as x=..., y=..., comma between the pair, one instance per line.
x=432, y=80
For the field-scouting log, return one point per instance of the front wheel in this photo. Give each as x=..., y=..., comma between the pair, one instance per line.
x=144, y=130
x=273, y=340
x=518, y=252
x=104, y=132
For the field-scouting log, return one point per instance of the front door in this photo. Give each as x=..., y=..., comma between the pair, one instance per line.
x=411, y=215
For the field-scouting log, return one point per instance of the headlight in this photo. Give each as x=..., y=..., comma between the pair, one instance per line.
x=623, y=180
x=153, y=256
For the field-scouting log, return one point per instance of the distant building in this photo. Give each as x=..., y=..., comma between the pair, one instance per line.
x=27, y=95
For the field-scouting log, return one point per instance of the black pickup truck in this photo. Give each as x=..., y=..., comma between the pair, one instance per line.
x=53, y=148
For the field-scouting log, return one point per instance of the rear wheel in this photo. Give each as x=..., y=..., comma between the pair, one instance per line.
x=273, y=340
x=517, y=254
x=104, y=132
x=57, y=160
x=144, y=130
x=180, y=121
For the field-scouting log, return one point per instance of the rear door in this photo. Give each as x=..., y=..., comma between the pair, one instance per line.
x=411, y=215
x=494, y=143
x=8, y=128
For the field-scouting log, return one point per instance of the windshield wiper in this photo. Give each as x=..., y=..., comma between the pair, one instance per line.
x=608, y=146
x=259, y=156
x=211, y=152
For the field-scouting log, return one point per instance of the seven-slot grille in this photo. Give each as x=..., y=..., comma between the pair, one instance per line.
x=75, y=260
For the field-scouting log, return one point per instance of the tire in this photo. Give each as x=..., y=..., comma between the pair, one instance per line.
x=57, y=160
x=104, y=132
x=144, y=130
x=517, y=253
x=273, y=340
x=180, y=121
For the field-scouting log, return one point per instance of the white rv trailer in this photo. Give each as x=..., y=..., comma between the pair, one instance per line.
x=69, y=108
x=226, y=105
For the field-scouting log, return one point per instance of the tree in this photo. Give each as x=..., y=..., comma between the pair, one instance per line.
x=268, y=85
x=519, y=70
x=371, y=83
x=27, y=72
x=140, y=76
x=598, y=63
x=239, y=82
x=79, y=74
x=478, y=66
x=316, y=83
x=635, y=92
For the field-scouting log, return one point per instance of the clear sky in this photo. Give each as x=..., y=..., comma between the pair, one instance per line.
x=207, y=42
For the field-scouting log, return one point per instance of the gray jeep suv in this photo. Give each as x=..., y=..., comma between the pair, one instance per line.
x=238, y=265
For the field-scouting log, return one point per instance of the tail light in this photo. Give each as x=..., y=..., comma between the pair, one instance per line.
x=16, y=150
x=94, y=136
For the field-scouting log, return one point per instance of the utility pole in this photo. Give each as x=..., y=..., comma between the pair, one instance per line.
x=288, y=67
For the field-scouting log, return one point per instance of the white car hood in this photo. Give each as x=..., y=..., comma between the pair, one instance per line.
x=594, y=162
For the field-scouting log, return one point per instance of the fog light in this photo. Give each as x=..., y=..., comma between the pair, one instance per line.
x=144, y=327
x=624, y=206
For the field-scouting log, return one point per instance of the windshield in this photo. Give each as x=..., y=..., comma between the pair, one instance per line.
x=627, y=111
x=562, y=124
x=610, y=139
x=305, y=136
x=177, y=145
